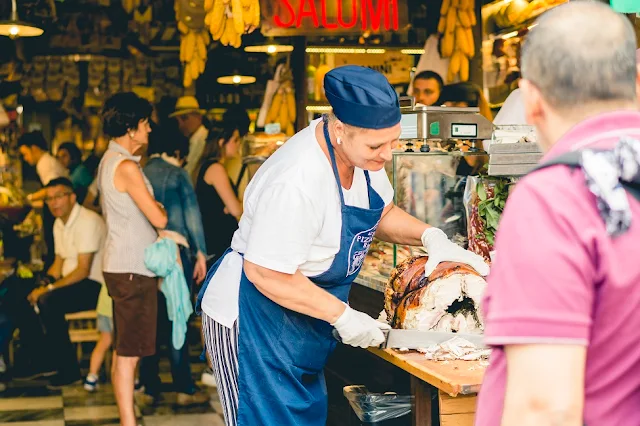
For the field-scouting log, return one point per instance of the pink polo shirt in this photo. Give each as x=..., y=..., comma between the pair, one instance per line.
x=559, y=278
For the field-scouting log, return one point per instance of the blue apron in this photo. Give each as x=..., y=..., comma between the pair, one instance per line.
x=282, y=353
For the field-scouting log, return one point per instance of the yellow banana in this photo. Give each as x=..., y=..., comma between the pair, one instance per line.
x=284, y=112
x=461, y=41
x=190, y=46
x=236, y=11
x=182, y=27
x=463, y=18
x=451, y=20
x=454, y=65
x=442, y=24
x=187, y=75
x=216, y=25
x=470, y=43
x=208, y=5
x=291, y=104
x=446, y=4
x=450, y=76
x=238, y=41
x=290, y=130
x=218, y=34
x=472, y=17
x=464, y=68
x=446, y=46
x=195, y=71
x=183, y=49
x=256, y=13
x=202, y=48
x=247, y=3
x=274, y=109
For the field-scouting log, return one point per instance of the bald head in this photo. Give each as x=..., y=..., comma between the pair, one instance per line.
x=581, y=53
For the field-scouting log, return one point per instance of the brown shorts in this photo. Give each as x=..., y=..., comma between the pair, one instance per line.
x=135, y=311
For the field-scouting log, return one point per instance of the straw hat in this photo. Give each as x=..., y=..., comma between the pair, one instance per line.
x=187, y=105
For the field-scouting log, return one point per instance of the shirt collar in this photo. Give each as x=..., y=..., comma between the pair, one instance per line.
x=603, y=127
x=199, y=134
x=114, y=146
x=75, y=212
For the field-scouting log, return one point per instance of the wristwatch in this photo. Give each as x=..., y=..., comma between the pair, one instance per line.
x=51, y=287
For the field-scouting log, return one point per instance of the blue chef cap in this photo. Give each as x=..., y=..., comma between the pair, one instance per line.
x=362, y=97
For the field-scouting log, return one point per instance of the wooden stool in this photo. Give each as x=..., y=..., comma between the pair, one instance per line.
x=83, y=328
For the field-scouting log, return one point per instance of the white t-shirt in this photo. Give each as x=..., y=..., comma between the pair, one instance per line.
x=48, y=168
x=291, y=221
x=83, y=233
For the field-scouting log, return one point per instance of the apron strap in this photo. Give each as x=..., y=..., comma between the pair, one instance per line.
x=332, y=154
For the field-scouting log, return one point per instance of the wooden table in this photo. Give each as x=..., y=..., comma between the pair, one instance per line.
x=457, y=384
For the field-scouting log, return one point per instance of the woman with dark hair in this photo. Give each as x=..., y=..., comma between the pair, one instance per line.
x=168, y=149
x=132, y=216
x=70, y=157
x=217, y=195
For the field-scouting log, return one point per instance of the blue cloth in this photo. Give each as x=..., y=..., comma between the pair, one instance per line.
x=362, y=97
x=162, y=259
x=173, y=188
x=282, y=353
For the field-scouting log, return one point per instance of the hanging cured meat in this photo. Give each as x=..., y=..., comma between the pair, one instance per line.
x=448, y=300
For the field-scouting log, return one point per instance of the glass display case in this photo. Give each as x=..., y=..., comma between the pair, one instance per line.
x=431, y=187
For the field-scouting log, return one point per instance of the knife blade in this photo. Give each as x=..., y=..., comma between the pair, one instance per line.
x=414, y=339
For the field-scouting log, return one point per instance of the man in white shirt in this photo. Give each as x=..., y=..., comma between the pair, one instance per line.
x=189, y=116
x=75, y=275
x=33, y=148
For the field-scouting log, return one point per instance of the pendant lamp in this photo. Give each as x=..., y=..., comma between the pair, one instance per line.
x=15, y=28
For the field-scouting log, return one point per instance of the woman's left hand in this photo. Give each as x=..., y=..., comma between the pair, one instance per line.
x=441, y=249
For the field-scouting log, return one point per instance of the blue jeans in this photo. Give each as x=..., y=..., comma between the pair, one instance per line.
x=178, y=358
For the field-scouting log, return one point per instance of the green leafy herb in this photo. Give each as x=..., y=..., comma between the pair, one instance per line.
x=490, y=207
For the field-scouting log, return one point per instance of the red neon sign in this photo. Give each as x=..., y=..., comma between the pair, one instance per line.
x=332, y=14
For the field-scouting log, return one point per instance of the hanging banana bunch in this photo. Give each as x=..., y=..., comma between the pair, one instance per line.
x=283, y=108
x=227, y=20
x=194, y=38
x=457, y=19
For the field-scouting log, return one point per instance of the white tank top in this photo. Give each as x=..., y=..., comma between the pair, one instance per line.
x=129, y=232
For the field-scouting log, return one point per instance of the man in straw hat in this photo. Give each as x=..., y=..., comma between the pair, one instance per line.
x=189, y=116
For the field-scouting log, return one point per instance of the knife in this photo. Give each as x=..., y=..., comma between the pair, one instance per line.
x=414, y=339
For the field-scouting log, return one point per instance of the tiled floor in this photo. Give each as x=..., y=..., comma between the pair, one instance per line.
x=32, y=404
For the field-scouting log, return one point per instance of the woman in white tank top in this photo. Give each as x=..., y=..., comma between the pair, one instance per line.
x=132, y=216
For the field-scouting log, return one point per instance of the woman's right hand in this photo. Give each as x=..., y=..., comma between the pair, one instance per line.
x=200, y=268
x=359, y=329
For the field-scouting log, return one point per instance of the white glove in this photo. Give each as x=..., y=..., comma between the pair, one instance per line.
x=440, y=249
x=359, y=329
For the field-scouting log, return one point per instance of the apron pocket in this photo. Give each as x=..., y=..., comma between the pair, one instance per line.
x=307, y=341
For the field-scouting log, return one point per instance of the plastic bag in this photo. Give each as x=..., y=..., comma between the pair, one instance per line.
x=377, y=407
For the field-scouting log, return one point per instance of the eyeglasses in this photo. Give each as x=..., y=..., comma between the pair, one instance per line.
x=56, y=197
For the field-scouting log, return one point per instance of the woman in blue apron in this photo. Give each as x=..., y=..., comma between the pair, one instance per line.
x=271, y=303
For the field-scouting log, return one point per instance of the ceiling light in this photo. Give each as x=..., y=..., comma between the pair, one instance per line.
x=269, y=48
x=412, y=51
x=236, y=79
x=15, y=28
x=318, y=108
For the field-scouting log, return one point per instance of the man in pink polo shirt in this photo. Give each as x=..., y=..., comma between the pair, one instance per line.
x=562, y=307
